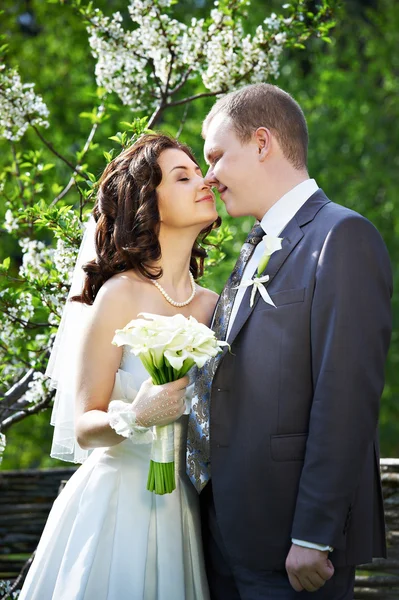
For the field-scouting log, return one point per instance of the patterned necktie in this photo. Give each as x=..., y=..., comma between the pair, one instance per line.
x=198, y=463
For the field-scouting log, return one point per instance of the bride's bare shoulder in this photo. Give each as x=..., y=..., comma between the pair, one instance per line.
x=121, y=295
x=207, y=295
x=207, y=300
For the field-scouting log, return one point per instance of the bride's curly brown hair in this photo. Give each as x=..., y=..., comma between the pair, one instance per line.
x=127, y=216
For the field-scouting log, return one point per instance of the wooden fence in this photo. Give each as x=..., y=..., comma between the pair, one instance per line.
x=380, y=579
x=26, y=498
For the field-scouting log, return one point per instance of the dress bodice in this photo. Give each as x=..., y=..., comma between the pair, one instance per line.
x=133, y=365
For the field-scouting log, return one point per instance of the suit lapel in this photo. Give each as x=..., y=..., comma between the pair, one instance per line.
x=291, y=235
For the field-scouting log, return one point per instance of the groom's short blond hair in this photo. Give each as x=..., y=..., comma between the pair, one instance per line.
x=266, y=105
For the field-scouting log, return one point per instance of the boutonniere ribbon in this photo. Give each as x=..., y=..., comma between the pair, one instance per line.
x=272, y=244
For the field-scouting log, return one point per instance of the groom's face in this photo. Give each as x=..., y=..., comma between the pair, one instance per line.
x=233, y=166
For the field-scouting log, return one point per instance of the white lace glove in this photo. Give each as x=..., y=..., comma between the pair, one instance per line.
x=153, y=405
x=160, y=404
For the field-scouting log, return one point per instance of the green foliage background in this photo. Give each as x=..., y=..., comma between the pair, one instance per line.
x=348, y=90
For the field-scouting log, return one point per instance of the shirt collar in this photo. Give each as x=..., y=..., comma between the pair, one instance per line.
x=281, y=213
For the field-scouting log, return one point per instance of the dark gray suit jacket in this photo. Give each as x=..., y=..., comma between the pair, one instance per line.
x=294, y=406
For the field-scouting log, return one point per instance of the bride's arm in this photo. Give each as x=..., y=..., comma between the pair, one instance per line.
x=116, y=304
x=98, y=361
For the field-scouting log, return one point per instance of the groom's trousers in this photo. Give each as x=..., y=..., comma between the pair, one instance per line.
x=245, y=584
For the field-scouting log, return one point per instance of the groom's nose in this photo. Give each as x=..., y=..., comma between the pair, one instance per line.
x=210, y=178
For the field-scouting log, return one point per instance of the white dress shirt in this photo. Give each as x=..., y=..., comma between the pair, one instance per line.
x=273, y=223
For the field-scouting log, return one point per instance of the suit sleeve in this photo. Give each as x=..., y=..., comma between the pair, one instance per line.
x=350, y=334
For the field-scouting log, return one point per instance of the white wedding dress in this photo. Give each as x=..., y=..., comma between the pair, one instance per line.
x=108, y=538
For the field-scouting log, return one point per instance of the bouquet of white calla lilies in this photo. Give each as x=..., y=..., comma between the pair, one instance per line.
x=168, y=347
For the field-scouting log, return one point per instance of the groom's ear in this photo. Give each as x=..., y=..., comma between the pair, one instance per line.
x=263, y=138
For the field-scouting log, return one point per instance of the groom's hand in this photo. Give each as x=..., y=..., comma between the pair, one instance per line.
x=308, y=569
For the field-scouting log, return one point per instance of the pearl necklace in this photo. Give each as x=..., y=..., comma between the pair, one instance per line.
x=169, y=299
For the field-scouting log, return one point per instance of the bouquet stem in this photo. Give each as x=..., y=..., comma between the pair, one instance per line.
x=161, y=474
x=161, y=478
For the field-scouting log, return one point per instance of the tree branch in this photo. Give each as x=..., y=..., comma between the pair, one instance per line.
x=72, y=181
x=166, y=90
x=165, y=93
x=195, y=97
x=54, y=151
x=22, y=414
x=155, y=115
x=18, y=583
x=14, y=154
x=17, y=390
x=182, y=82
x=64, y=192
x=25, y=324
x=179, y=132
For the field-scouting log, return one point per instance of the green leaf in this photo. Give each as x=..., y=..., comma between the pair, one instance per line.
x=5, y=265
x=87, y=115
x=116, y=138
x=91, y=176
x=65, y=209
x=56, y=188
x=108, y=155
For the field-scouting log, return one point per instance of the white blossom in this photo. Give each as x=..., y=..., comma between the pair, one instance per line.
x=11, y=222
x=12, y=331
x=5, y=587
x=38, y=388
x=2, y=445
x=64, y=261
x=9, y=370
x=280, y=38
x=143, y=65
x=272, y=22
x=54, y=319
x=24, y=307
x=35, y=258
x=19, y=105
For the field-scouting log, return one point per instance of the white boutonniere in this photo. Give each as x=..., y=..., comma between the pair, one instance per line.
x=272, y=244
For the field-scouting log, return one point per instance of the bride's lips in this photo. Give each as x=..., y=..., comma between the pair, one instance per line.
x=208, y=198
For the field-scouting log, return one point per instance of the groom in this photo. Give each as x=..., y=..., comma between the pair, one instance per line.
x=283, y=442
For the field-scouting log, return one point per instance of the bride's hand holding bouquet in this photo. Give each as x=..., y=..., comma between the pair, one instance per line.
x=168, y=348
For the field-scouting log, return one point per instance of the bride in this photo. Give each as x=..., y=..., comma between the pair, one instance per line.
x=107, y=537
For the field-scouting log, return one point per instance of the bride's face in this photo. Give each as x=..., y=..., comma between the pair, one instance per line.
x=184, y=199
